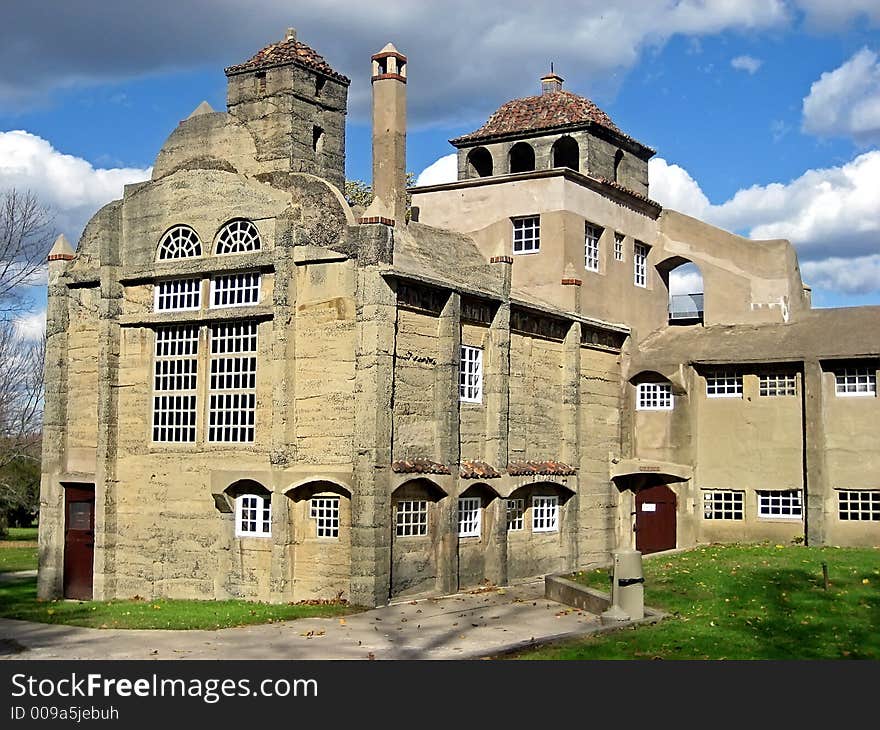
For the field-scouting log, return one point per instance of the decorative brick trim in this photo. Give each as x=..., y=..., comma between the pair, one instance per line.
x=61, y=257
x=397, y=77
x=376, y=219
x=501, y=260
x=571, y=282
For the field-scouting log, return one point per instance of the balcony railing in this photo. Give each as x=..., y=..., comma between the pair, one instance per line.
x=683, y=307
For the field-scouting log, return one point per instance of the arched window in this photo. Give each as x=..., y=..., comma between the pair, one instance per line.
x=479, y=162
x=179, y=242
x=566, y=153
x=238, y=236
x=522, y=157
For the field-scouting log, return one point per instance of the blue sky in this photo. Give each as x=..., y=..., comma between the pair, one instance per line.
x=765, y=114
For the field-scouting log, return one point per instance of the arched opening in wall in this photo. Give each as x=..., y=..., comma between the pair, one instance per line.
x=618, y=158
x=317, y=139
x=522, y=157
x=684, y=282
x=566, y=153
x=417, y=537
x=478, y=554
x=537, y=524
x=319, y=515
x=479, y=162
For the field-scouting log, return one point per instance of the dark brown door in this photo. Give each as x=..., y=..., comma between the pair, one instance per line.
x=79, y=541
x=655, y=519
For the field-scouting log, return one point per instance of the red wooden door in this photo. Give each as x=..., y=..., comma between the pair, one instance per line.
x=655, y=519
x=79, y=541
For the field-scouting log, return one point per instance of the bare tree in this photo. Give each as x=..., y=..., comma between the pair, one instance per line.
x=26, y=232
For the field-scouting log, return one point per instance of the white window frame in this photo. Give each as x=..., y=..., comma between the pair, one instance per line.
x=411, y=518
x=179, y=242
x=325, y=512
x=724, y=384
x=516, y=510
x=654, y=397
x=592, y=235
x=470, y=374
x=777, y=385
x=174, y=407
x=640, y=264
x=545, y=513
x=857, y=382
x=232, y=380
x=726, y=505
x=237, y=236
x=245, y=286
x=858, y=505
x=788, y=504
x=618, y=246
x=261, y=506
x=177, y=295
x=470, y=516
x=526, y=224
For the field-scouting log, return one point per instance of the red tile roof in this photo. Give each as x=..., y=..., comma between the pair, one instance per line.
x=547, y=111
x=418, y=466
x=477, y=470
x=545, y=468
x=285, y=52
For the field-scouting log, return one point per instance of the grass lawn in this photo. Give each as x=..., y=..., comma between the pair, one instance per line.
x=18, y=599
x=17, y=558
x=21, y=533
x=747, y=602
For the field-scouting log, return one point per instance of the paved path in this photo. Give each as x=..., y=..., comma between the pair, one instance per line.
x=468, y=625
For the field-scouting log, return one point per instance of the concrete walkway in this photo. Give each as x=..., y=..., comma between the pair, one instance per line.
x=463, y=626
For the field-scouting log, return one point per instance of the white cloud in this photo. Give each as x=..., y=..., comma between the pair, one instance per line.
x=686, y=279
x=31, y=326
x=442, y=171
x=69, y=185
x=831, y=216
x=833, y=14
x=749, y=64
x=846, y=101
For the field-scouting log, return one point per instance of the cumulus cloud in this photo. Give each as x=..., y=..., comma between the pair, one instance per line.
x=69, y=185
x=509, y=43
x=830, y=215
x=846, y=101
x=750, y=64
x=442, y=171
x=835, y=14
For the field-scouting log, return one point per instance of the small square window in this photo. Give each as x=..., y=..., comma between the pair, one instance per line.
x=470, y=375
x=545, y=514
x=253, y=516
x=516, y=509
x=724, y=384
x=469, y=511
x=325, y=512
x=654, y=397
x=526, y=234
x=411, y=518
x=723, y=504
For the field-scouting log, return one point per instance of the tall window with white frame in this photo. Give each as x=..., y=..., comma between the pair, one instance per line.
x=592, y=234
x=640, y=264
x=469, y=516
x=232, y=388
x=516, y=509
x=526, y=234
x=470, y=375
x=654, y=397
x=618, y=246
x=325, y=512
x=253, y=515
x=545, y=513
x=175, y=377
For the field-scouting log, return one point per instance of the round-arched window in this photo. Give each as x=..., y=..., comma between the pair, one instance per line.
x=238, y=236
x=179, y=242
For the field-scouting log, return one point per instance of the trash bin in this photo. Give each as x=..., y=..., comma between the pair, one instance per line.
x=628, y=589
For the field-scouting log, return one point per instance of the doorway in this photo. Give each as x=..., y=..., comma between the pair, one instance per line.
x=655, y=519
x=79, y=541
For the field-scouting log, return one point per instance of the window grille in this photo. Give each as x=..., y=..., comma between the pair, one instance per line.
x=526, y=234
x=470, y=375
x=175, y=371
x=232, y=393
x=179, y=242
x=177, y=295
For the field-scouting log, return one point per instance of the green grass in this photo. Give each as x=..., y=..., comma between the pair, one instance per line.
x=21, y=533
x=17, y=558
x=747, y=602
x=18, y=600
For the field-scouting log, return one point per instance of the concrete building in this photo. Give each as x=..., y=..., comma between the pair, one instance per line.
x=254, y=390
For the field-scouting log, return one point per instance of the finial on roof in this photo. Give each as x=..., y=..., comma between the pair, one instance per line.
x=203, y=108
x=290, y=35
x=61, y=250
x=551, y=82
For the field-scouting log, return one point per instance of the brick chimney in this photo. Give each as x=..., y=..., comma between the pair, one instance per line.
x=389, y=136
